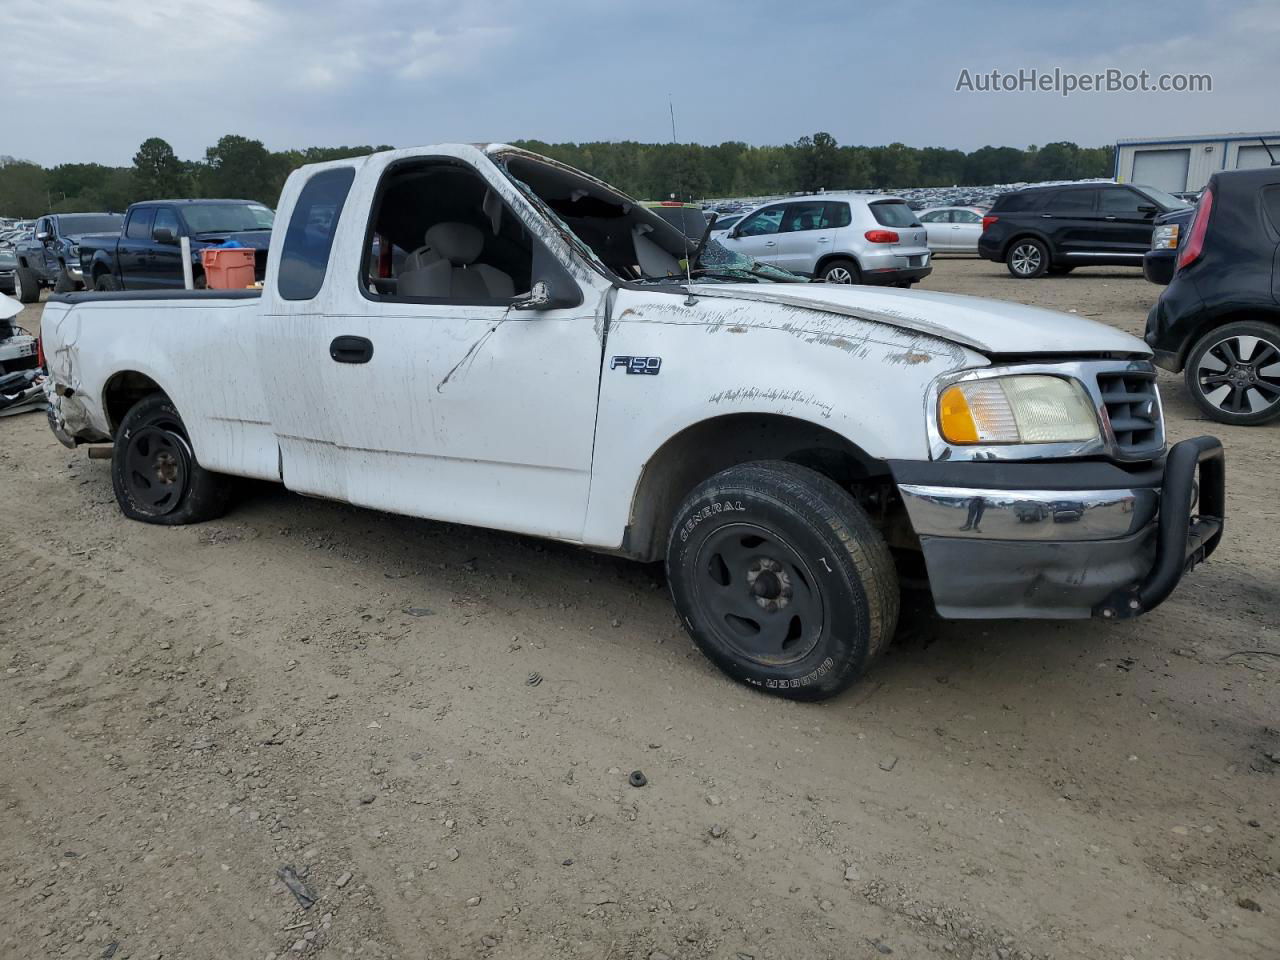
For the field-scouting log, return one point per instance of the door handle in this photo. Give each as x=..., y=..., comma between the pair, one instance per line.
x=1108, y=218
x=824, y=239
x=1046, y=216
x=770, y=243
x=351, y=349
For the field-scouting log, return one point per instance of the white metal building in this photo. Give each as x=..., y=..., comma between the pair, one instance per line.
x=1177, y=164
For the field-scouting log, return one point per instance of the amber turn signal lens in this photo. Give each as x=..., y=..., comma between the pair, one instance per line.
x=955, y=420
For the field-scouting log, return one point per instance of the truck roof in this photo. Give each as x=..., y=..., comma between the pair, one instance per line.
x=148, y=203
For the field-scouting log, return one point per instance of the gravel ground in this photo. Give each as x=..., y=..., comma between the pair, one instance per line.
x=184, y=712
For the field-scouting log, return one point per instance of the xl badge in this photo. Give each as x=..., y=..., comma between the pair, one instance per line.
x=649, y=365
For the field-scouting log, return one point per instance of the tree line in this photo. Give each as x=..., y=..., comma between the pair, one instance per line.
x=239, y=167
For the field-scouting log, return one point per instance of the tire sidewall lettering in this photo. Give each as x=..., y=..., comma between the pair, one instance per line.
x=706, y=512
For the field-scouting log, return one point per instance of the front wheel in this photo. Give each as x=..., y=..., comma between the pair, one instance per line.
x=781, y=579
x=1027, y=259
x=154, y=471
x=841, y=271
x=1233, y=373
x=26, y=288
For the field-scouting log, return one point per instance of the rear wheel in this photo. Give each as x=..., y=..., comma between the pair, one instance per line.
x=840, y=271
x=1027, y=258
x=154, y=471
x=26, y=288
x=1233, y=373
x=782, y=580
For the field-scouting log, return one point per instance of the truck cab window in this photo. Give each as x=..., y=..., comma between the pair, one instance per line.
x=166, y=219
x=439, y=234
x=139, y=227
x=304, y=258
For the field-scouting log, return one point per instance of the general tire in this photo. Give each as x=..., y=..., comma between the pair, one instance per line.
x=64, y=283
x=775, y=533
x=154, y=471
x=107, y=283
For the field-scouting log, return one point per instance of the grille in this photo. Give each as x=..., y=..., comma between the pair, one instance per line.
x=1133, y=411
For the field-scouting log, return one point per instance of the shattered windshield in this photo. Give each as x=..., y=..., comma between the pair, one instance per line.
x=629, y=240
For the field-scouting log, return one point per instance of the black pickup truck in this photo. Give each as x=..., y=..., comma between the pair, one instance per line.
x=147, y=253
x=50, y=257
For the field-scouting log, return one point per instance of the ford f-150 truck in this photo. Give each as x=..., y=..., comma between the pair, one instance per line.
x=480, y=335
x=147, y=253
x=50, y=257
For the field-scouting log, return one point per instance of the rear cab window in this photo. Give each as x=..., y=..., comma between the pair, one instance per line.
x=304, y=257
x=893, y=213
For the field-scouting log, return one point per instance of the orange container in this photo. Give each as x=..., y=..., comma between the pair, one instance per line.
x=227, y=268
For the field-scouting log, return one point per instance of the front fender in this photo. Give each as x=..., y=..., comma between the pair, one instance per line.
x=863, y=380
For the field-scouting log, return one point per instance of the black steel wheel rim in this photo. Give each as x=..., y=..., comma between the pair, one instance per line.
x=157, y=468
x=1241, y=375
x=758, y=595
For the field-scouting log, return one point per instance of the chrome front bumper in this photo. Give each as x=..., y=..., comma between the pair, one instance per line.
x=1028, y=550
x=1028, y=514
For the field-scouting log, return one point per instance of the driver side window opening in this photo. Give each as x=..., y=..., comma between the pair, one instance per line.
x=439, y=234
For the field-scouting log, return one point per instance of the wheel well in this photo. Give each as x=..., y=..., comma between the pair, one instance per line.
x=122, y=391
x=1252, y=313
x=822, y=263
x=706, y=448
x=1026, y=235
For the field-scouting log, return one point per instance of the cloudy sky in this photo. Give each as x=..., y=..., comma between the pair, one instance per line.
x=88, y=80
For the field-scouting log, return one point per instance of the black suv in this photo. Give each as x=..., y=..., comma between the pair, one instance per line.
x=1219, y=319
x=1056, y=229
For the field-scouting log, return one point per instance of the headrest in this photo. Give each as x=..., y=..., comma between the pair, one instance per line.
x=459, y=243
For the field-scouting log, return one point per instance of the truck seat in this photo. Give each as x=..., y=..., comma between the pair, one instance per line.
x=453, y=272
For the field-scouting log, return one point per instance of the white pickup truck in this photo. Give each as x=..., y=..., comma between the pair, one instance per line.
x=481, y=335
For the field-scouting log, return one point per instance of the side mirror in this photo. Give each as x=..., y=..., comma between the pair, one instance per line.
x=553, y=288
x=1148, y=209
x=44, y=236
x=539, y=298
x=543, y=297
x=163, y=235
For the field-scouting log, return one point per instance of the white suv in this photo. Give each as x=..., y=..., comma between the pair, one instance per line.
x=838, y=238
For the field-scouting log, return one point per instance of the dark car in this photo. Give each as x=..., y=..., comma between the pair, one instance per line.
x=1161, y=260
x=1219, y=319
x=1043, y=230
x=50, y=257
x=147, y=253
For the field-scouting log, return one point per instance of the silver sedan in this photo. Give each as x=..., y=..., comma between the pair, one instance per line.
x=953, y=229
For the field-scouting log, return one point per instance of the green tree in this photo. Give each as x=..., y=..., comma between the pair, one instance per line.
x=23, y=188
x=243, y=169
x=818, y=163
x=158, y=172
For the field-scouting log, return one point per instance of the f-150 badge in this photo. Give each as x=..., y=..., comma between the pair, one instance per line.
x=649, y=365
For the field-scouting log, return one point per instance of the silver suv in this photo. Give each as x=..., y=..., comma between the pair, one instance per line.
x=838, y=238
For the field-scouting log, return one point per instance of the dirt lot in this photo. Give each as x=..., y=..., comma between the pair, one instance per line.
x=184, y=711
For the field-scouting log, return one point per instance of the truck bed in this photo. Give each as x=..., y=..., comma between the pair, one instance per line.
x=116, y=296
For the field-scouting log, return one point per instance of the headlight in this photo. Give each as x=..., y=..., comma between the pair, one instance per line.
x=1165, y=237
x=1018, y=409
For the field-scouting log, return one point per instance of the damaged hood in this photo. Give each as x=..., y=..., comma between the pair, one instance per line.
x=993, y=327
